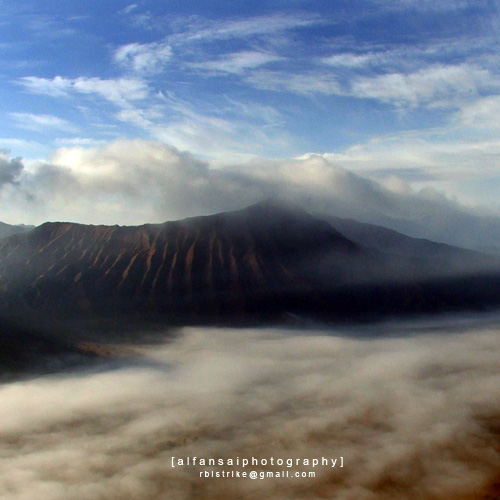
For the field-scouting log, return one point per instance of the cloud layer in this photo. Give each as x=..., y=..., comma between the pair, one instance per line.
x=414, y=416
x=10, y=169
x=136, y=181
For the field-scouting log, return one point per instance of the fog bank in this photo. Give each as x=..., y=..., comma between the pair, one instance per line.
x=413, y=417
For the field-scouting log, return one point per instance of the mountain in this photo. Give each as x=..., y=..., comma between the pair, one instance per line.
x=213, y=266
x=457, y=228
x=9, y=230
x=255, y=264
x=431, y=257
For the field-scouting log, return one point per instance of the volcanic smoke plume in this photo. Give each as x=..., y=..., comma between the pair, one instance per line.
x=415, y=415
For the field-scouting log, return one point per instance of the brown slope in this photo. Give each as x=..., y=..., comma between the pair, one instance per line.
x=240, y=263
x=253, y=264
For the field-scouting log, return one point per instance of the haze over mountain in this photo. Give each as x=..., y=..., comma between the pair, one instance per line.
x=9, y=230
x=256, y=264
x=391, y=242
x=135, y=181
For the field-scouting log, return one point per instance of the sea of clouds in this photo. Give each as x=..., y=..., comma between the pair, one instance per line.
x=413, y=409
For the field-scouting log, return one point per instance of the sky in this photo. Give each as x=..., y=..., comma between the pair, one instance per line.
x=120, y=112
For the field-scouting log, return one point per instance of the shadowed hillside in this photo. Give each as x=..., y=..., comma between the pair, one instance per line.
x=255, y=264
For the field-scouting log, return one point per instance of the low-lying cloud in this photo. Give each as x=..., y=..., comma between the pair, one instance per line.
x=412, y=416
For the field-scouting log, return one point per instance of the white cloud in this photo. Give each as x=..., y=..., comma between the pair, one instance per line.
x=235, y=132
x=119, y=91
x=130, y=8
x=10, y=169
x=350, y=60
x=482, y=114
x=433, y=86
x=307, y=83
x=78, y=141
x=238, y=62
x=203, y=30
x=429, y=5
x=55, y=87
x=146, y=58
x=127, y=181
x=134, y=182
x=130, y=182
x=40, y=123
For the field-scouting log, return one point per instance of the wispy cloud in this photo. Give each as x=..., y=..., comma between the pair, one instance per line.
x=244, y=28
x=230, y=131
x=409, y=57
x=429, y=5
x=130, y=8
x=351, y=60
x=483, y=114
x=31, y=148
x=40, y=123
x=119, y=91
x=264, y=115
x=46, y=26
x=146, y=58
x=299, y=83
x=78, y=141
x=238, y=62
x=434, y=86
x=55, y=87
x=238, y=132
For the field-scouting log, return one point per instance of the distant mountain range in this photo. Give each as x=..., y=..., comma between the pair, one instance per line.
x=263, y=263
x=9, y=230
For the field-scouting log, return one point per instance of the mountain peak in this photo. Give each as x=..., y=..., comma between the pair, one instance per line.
x=229, y=263
x=271, y=206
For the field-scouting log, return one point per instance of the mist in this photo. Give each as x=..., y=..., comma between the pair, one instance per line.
x=412, y=408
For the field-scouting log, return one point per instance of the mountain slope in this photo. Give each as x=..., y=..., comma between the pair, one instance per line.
x=432, y=257
x=254, y=264
x=223, y=264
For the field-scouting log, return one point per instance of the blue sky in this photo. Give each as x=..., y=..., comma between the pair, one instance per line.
x=404, y=92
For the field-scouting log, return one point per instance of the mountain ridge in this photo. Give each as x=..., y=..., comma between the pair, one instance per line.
x=214, y=259
x=7, y=230
x=258, y=263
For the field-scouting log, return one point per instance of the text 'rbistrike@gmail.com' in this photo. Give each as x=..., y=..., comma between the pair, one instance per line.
x=233, y=466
